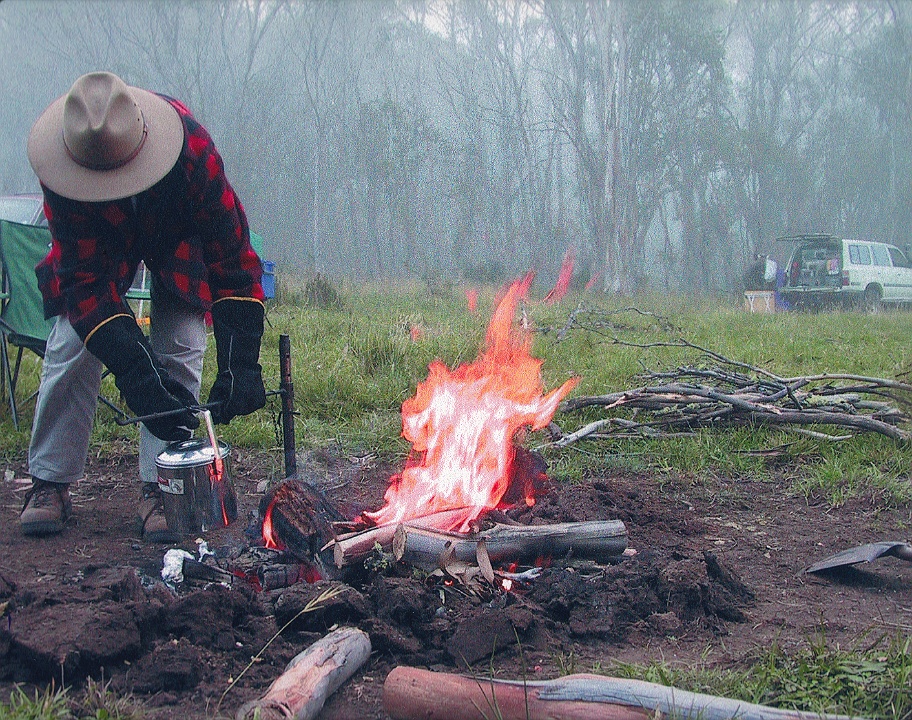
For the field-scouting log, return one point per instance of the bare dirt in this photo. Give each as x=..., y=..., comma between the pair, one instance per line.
x=718, y=578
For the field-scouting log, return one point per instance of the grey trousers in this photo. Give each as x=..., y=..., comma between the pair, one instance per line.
x=71, y=378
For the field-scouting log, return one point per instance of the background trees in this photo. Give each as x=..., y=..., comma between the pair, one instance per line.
x=666, y=142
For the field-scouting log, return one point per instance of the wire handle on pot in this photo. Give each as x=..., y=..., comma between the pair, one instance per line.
x=168, y=413
x=210, y=428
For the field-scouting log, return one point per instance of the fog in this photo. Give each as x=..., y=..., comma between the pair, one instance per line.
x=665, y=142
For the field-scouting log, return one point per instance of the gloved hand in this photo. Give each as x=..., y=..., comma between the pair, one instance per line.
x=238, y=328
x=143, y=382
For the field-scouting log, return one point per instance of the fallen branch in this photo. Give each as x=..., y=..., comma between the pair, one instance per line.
x=738, y=399
x=312, y=676
x=728, y=392
x=411, y=693
x=599, y=540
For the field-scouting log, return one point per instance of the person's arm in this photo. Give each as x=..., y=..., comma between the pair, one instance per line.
x=90, y=268
x=88, y=263
x=234, y=275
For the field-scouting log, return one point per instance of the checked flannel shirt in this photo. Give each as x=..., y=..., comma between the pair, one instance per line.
x=189, y=228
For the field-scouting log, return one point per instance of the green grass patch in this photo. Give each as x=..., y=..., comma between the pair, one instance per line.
x=819, y=678
x=96, y=702
x=359, y=351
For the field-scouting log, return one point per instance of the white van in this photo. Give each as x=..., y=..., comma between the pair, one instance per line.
x=825, y=270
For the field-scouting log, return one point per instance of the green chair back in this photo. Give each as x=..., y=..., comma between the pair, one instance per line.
x=22, y=247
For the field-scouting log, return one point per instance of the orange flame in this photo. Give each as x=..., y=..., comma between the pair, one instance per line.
x=563, y=279
x=472, y=299
x=269, y=537
x=593, y=280
x=461, y=424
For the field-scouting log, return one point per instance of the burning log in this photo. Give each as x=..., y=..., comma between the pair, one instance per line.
x=599, y=540
x=312, y=676
x=411, y=693
x=298, y=516
x=353, y=547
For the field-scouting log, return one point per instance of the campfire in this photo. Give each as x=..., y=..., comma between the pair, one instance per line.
x=447, y=510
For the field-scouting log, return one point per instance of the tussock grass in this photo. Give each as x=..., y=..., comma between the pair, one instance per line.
x=873, y=683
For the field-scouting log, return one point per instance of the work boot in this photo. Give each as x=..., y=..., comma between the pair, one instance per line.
x=47, y=508
x=153, y=527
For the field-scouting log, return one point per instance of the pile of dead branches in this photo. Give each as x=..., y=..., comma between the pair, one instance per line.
x=723, y=392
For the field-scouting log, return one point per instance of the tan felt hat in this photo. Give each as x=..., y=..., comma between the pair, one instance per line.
x=105, y=140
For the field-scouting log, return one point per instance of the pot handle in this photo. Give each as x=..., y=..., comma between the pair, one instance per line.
x=217, y=456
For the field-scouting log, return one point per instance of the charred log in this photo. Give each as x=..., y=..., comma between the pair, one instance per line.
x=301, y=517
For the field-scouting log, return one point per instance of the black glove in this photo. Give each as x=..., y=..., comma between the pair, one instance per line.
x=143, y=382
x=238, y=328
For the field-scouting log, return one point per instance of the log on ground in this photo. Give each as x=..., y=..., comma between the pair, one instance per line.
x=413, y=693
x=600, y=540
x=312, y=676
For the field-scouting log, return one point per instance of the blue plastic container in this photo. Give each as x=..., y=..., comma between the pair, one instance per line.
x=268, y=280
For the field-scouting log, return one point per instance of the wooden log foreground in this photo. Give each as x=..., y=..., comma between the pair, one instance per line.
x=413, y=694
x=312, y=676
x=599, y=540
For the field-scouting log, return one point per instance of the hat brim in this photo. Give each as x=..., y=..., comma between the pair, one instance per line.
x=59, y=172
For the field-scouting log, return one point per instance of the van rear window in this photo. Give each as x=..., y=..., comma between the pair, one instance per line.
x=881, y=256
x=859, y=255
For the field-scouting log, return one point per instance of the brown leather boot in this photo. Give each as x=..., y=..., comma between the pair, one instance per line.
x=47, y=508
x=153, y=527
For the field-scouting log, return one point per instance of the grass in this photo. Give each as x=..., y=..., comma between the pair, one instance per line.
x=97, y=702
x=357, y=358
x=871, y=683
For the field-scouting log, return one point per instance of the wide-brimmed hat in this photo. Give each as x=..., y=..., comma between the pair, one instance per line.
x=105, y=140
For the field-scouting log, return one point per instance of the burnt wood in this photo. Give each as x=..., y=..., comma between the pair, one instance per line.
x=302, y=517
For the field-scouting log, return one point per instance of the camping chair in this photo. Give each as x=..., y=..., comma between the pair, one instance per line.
x=22, y=322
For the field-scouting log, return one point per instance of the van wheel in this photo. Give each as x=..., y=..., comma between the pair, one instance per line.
x=873, y=298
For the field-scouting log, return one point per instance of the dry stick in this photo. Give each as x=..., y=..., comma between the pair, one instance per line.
x=798, y=417
x=682, y=342
x=413, y=694
x=756, y=409
x=754, y=401
x=592, y=540
x=312, y=676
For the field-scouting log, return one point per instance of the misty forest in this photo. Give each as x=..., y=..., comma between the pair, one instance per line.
x=663, y=142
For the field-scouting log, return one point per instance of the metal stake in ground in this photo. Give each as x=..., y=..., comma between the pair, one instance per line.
x=286, y=390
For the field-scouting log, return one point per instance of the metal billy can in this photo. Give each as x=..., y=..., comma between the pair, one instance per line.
x=196, y=484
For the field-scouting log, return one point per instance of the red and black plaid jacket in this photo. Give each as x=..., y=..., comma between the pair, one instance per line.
x=189, y=228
